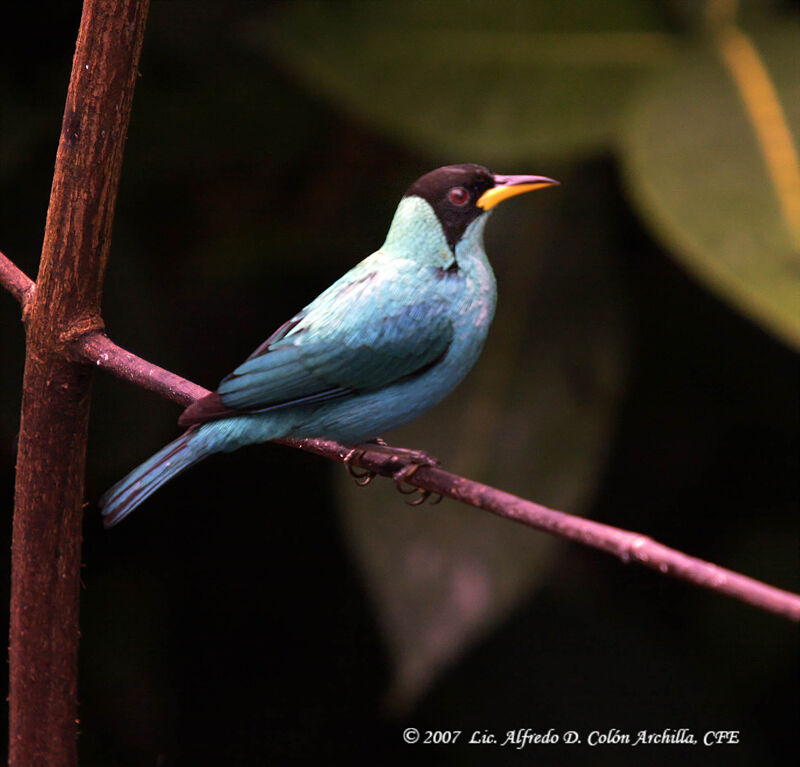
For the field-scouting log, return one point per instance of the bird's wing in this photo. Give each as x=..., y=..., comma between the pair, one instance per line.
x=363, y=333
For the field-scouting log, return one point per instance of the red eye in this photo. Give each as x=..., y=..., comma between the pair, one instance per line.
x=458, y=196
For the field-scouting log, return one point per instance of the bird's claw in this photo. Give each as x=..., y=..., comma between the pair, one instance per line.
x=362, y=478
x=402, y=475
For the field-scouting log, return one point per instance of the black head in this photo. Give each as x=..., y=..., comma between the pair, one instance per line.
x=453, y=192
x=459, y=194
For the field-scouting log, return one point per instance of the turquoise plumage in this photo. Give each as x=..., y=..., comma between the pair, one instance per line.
x=384, y=343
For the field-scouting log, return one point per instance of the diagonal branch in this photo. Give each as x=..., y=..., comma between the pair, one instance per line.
x=15, y=281
x=95, y=348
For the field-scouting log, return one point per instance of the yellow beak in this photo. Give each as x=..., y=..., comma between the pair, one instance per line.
x=509, y=186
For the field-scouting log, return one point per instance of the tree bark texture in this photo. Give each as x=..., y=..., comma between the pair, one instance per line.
x=46, y=547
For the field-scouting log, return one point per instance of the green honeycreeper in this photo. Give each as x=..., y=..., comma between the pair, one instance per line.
x=384, y=343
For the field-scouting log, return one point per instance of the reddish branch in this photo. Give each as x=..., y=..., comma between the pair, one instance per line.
x=95, y=348
x=48, y=501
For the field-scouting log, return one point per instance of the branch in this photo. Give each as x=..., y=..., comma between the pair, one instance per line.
x=48, y=499
x=95, y=348
x=16, y=282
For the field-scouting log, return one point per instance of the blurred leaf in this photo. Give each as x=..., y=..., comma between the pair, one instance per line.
x=479, y=80
x=532, y=418
x=694, y=14
x=698, y=173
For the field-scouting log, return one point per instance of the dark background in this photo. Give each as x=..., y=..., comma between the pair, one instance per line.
x=228, y=623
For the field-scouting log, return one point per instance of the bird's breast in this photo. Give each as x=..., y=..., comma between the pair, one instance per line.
x=471, y=291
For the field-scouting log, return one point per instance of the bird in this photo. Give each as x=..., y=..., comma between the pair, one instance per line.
x=384, y=343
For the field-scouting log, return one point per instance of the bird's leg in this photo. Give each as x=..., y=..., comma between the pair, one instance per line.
x=400, y=455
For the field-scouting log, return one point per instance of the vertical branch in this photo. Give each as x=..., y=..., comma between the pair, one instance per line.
x=46, y=548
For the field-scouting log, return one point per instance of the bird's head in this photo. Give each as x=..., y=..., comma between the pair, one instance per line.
x=460, y=194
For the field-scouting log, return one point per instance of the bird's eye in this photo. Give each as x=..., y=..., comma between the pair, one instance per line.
x=458, y=196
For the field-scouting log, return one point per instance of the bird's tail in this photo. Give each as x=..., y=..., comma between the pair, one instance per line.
x=121, y=499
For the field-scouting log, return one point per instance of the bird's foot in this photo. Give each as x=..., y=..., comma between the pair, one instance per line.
x=409, y=461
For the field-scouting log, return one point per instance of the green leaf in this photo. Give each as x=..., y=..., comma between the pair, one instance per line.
x=533, y=418
x=698, y=171
x=482, y=80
